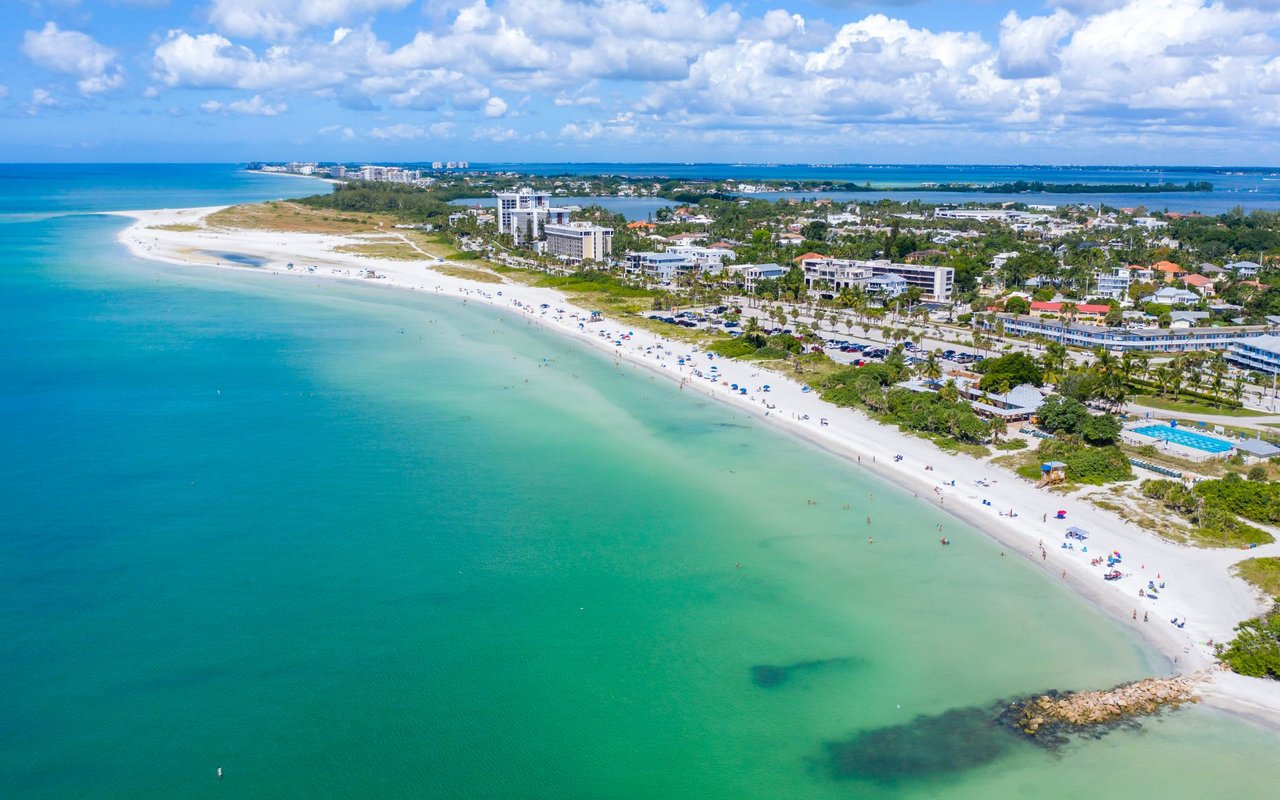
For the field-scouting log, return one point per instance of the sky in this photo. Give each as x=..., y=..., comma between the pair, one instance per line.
x=816, y=81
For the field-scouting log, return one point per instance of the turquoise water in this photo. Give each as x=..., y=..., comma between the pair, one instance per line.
x=1185, y=438
x=343, y=541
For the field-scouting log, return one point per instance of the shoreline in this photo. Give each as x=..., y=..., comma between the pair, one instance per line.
x=1200, y=588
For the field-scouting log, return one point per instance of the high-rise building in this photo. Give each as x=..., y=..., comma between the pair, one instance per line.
x=523, y=214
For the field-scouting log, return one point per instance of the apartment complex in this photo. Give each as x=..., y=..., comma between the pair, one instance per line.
x=827, y=276
x=576, y=242
x=1156, y=340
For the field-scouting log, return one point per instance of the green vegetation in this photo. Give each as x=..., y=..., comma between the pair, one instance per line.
x=401, y=202
x=1004, y=373
x=1263, y=573
x=871, y=388
x=1256, y=649
x=1090, y=465
x=178, y=227
x=1257, y=500
x=1064, y=414
x=1213, y=521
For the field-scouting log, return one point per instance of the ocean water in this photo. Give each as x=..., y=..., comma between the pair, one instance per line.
x=344, y=541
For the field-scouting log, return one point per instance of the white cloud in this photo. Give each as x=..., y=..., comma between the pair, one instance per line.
x=41, y=98
x=254, y=106
x=690, y=72
x=1027, y=45
x=210, y=60
x=277, y=19
x=74, y=53
x=495, y=107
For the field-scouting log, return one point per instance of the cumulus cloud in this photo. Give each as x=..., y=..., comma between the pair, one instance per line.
x=74, y=53
x=686, y=71
x=254, y=106
x=495, y=107
x=276, y=19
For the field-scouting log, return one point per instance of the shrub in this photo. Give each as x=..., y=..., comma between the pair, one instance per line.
x=1255, y=651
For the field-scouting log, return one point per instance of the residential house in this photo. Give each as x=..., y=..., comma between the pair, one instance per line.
x=752, y=274
x=1172, y=296
x=1115, y=284
x=1244, y=269
x=1201, y=283
x=888, y=286
x=1168, y=270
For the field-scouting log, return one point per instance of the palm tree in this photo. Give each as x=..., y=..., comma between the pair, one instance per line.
x=1236, y=391
x=998, y=429
x=931, y=369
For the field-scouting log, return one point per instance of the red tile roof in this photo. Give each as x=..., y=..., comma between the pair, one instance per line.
x=1083, y=308
x=1167, y=266
x=1197, y=280
x=808, y=256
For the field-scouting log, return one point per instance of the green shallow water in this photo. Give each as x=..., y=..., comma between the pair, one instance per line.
x=349, y=542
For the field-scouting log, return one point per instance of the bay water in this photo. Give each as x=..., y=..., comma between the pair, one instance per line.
x=348, y=541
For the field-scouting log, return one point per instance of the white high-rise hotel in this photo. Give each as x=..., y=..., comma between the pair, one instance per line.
x=523, y=214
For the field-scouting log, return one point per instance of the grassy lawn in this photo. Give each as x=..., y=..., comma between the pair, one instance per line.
x=1261, y=572
x=432, y=243
x=1190, y=407
x=285, y=216
x=466, y=273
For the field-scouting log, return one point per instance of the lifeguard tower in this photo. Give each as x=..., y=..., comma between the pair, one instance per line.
x=1052, y=472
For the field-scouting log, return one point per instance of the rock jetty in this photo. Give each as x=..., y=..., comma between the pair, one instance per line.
x=1050, y=718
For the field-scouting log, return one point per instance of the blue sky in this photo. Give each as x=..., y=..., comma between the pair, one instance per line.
x=1054, y=81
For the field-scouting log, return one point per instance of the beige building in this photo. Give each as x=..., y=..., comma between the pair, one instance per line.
x=579, y=241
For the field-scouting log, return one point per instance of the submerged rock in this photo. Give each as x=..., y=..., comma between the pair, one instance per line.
x=769, y=676
x=954, y=741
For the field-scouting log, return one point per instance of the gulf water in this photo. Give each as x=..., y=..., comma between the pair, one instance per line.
x=345, y=541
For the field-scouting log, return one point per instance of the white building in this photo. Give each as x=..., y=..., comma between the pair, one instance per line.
x=657, y=266
x=935, y=283
x=1261, y=353
x=825, y=277
x=1114, y=284
x=523, y=214
x=579, y=241
x=752, y=274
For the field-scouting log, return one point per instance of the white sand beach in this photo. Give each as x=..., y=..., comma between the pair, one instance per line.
x=1198, y=586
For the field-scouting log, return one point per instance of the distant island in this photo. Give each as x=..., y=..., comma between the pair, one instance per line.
x=1039, y=187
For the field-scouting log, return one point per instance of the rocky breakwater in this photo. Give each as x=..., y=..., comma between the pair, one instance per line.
x=1049, y=719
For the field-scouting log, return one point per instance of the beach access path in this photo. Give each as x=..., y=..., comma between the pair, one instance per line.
x=1199, y=587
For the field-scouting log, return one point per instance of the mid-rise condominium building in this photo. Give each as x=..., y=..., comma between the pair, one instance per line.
x=576, y=242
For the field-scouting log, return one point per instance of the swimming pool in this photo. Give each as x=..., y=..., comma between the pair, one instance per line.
x=1185, y=438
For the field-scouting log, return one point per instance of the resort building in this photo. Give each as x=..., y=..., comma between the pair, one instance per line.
x=1261, y=354
x=523, y=214
x=1156, y=340
x=829, y=275
x=576, y=242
